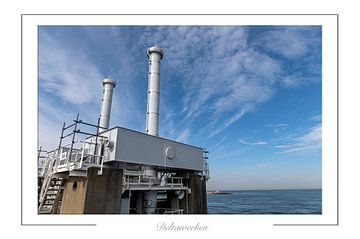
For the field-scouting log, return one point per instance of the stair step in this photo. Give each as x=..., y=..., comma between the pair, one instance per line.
x=54, y=188
x=50, y=198
x=45, y=212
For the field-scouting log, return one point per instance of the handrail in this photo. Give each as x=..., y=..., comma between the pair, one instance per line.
x=174, y=211
x=74, y=158
x=143, y=180
x=57, y=161
x=82, y=155
x=100, y=172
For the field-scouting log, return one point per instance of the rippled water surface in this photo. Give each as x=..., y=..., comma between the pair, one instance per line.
x=266, y=202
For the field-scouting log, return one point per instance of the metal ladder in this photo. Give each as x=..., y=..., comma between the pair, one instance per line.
x=206, y=171
x=47, y=174
x=53, y=184
x=52, y=200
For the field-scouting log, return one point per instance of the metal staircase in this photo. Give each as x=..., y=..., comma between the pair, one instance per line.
x=57, y=165
x=206, y=171
x=52, y=200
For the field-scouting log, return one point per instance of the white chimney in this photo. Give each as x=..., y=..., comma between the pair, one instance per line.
x=154, y=54
x=108, y=86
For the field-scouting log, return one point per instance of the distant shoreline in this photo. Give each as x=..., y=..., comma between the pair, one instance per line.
x=217, y=192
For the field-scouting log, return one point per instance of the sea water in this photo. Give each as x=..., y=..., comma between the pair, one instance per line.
x=266, y=202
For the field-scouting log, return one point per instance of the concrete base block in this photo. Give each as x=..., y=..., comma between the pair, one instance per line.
x=94, y=194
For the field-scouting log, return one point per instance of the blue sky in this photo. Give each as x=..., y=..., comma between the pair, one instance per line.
x=249, y=94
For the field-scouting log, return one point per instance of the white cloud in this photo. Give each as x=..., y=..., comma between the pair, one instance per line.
x=183, y=136
x=219, y=143
x=278, y=127
x=289, y=42
x=225, y=75
x=298, y=79
x=308, y=142
x=299, y=44
x=220, y=74
x=316, y=118
x=51, y=119
x=73, y=76
x=228, y=122
x=241, y=93
x=253, y=142
x=67, y=72
x=49, y=134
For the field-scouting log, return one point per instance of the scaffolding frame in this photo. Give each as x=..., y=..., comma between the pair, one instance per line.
x=67, y=158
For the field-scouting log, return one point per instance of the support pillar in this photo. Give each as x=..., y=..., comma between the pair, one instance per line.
x=197, y=201
x=94, y=194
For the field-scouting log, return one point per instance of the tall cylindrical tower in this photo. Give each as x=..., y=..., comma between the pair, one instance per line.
x=108, y=86
x=154, y=54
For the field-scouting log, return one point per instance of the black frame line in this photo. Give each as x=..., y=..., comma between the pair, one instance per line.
x=176, y=14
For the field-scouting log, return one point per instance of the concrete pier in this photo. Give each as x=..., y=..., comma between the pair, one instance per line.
x=197, y=200
x=94, y=194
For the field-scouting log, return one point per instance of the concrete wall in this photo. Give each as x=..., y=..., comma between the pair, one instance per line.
x=95, y=194
x=197, y=200
x=73, y=200
x=103, y=193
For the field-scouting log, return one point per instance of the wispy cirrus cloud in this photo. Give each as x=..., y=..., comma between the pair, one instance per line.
x=299, y=45
x=308, y=142
x=225, y=74
x=316, y=118
x=220, y=72
x=67, y=72
x=72, y=68
x=278, y=127
x=183, y=135
x=257, y=142
x=289, y=42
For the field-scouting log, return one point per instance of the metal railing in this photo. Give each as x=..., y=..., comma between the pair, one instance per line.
x=141, y=180
x=130, y=181
x=175, y=211
x=173, y=181
x=169, y=211
x=43, y=161
x=67, y=158
x=43, y=166
x=61, y=161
